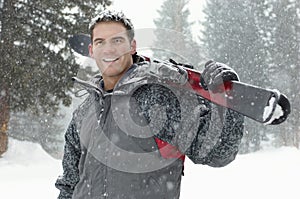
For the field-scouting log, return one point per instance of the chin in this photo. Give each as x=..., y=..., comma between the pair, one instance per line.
x=110, y=72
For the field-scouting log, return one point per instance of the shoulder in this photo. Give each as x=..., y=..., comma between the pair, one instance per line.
x=155, y=92
x=155, y=100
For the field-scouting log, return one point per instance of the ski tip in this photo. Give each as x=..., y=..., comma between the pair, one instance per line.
x=284, y=103
x=79, y=43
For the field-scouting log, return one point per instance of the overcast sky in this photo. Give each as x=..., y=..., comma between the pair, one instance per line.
x=142, y=13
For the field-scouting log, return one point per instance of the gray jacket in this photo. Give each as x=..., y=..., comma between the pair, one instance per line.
x=111, y=148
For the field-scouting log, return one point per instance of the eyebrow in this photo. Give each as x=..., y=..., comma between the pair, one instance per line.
x=98, y=39
x=102, y=39
x=118, y=37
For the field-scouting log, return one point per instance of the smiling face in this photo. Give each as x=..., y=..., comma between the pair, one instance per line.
x=112, y=51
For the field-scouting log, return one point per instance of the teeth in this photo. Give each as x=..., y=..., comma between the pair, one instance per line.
x=110, y=59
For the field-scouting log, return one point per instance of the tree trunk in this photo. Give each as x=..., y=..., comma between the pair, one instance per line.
x=7, y=10
x=3, y=142
x=4, y=118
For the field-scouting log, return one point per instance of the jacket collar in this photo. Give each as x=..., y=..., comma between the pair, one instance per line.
x=133, y=76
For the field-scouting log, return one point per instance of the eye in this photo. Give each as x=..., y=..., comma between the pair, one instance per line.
x=118, y=40
x=98, y=42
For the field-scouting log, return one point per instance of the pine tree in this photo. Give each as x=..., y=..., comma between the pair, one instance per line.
x=36, y=64
x=260, y=40
x=43, y=129
x=233, y=35
x=173, y=33
x=236, y=32
x=286, y=63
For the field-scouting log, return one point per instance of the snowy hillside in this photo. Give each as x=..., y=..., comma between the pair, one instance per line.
x=26, y=171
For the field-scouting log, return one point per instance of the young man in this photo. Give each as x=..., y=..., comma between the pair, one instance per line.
x=129, y=138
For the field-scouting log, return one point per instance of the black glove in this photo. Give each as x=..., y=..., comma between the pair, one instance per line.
x=215, y=74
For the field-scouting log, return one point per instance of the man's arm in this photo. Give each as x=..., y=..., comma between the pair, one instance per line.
x=218, y=138
x=221, y=130
x=206, y=133
x=66, y=183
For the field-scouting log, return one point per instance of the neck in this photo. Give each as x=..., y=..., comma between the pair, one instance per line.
x=110, y=82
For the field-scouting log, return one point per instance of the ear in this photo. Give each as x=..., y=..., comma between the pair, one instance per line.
x=91, y=50
x=133, y=47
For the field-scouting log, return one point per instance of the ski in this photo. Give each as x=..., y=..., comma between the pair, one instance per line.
x=79, y=43
x=267, y=106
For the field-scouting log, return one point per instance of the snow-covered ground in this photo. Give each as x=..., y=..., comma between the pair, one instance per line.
x=27, y=171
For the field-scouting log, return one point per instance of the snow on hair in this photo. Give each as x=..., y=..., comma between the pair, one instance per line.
x=111, y=15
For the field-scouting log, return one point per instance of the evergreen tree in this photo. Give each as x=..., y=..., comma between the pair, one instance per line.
x=236, y=32
x=260, y=40
x=173, y=33
x=286, y=63
x=43, y=129
x=233, y=35
x=36, y=64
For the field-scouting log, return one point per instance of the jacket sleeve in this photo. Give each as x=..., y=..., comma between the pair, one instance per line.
x=66, y=183
x=218, y=138
x=206, y=133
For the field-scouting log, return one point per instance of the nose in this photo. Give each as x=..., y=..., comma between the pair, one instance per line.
x=108, y=48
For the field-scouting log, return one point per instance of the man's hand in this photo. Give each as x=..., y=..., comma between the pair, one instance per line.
x=215, y=74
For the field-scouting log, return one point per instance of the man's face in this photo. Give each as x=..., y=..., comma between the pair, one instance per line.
x=112, y=49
